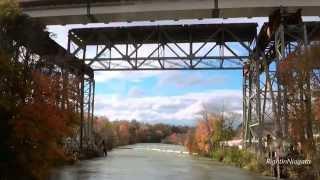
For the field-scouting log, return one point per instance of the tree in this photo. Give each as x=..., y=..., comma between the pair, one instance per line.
x=37, y=137
x=297, y=74
x=203, y=136
x=123, y=132
x=32, y=123
x=105, y=131
x=190, y=142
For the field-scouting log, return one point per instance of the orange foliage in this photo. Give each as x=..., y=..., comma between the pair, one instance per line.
x=296, y=72
x=123, y=132
x=190, y=142
x=39, y=128
x=202, y=135
x=208, y=134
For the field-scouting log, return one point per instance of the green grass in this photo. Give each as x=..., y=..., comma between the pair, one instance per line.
x=242, y=159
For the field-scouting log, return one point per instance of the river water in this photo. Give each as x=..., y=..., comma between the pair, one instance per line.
x=151, y=162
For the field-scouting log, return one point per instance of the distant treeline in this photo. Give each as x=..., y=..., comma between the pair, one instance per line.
x=205, y=137
x=119, y=133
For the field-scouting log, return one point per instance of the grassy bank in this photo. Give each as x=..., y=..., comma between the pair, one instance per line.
x=242, y=159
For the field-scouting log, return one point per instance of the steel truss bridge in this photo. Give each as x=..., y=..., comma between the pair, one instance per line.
x=206, y=47
x=189, y=47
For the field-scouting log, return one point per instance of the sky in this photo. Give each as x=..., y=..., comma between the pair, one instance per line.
x=171, y=97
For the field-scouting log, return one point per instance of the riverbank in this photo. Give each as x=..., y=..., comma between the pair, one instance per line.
x=243, y=159
x=291, y=167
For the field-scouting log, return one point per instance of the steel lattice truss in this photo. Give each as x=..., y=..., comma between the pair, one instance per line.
x=178, y=47
x=266, y=101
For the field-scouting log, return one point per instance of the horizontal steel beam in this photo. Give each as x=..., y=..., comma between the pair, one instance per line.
x=232, y=32
x=76, y=12
x=170, y=69
x=169, y=58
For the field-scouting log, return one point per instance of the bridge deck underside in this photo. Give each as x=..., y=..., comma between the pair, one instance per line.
x=175, y=47
x=54, y=12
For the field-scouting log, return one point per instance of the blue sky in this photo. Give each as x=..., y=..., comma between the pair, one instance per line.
x=174, y=97
x=163, y=83
x=170, y=97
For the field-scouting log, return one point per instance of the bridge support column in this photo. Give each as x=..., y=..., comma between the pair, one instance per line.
x=265, y=92
x=253, y=123
x=86, y=88
x=88, y=110
x=266, y=98
x=289, y=39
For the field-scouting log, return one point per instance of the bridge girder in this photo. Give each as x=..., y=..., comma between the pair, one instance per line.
x=79, y=11
x=176, y=47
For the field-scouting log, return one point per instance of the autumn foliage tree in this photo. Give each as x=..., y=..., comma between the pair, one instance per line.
x=203, y=135
x=298, y=73
x=104, y=131
x=33, y=123
x=208, y=134
x=39, y=128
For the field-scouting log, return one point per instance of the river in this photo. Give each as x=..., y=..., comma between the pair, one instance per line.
x=151, y=162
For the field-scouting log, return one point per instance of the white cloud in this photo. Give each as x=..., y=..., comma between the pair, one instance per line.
x=133, y=76
x=180, y=79
x=168, y=109
x=135, y=92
